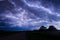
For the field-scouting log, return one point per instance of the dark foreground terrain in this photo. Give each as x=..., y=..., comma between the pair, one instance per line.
x=30, y=35
x=42, y=34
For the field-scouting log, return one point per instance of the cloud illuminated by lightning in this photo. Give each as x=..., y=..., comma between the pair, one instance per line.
x=39, y=6
x=22, y=16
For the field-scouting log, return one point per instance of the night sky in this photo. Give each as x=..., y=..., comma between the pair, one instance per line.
x=24, y=15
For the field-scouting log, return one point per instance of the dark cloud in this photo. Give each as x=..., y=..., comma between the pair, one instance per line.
x=5, y=5
x=40, y=13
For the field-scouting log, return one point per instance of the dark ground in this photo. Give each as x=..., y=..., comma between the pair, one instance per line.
x=42, y=34
x=30, y=35
x=12, y=36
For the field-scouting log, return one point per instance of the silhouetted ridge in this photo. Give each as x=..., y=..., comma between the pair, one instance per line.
x=52, y=28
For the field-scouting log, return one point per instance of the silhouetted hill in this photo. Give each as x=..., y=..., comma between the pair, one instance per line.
x=42, y=28
x=52, y=28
